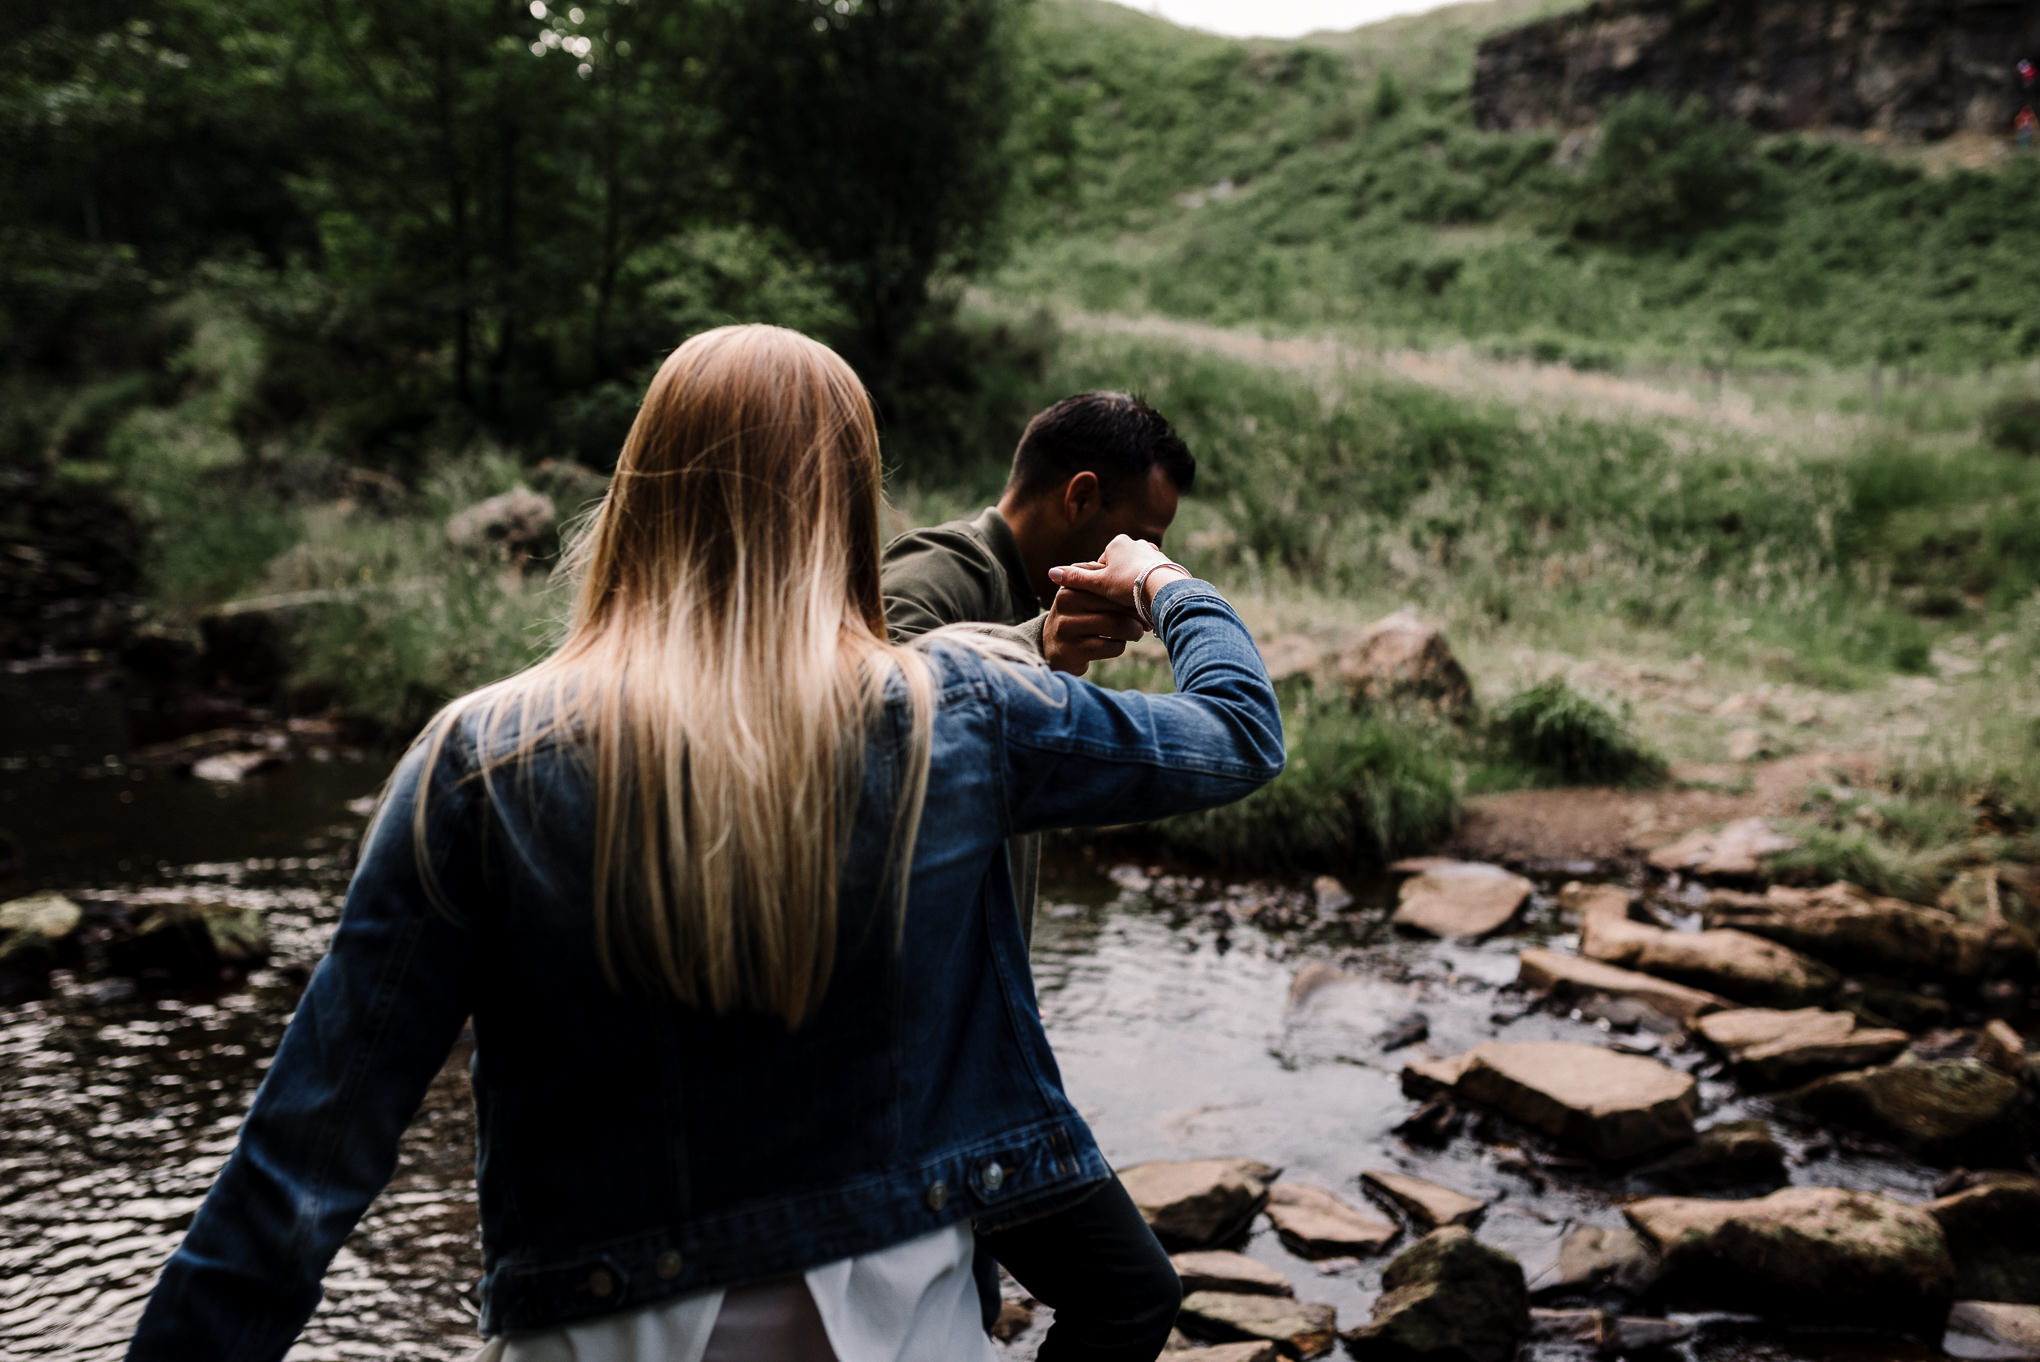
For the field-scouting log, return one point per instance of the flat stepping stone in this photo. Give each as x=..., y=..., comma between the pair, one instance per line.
x=1735, y=964
x=1595, y=1258
x=1314, y=1223
x=1737, y=849
x=1461, y=899
x=1992, y=1329
x=1566, y=975
x=1778, y=1048
x=1856, y=929
x=1305, y=1328
x=1197, y=1203
x=1612, y=1106
x=1424, y=1202
x=1222, y=1270
x=1993, y=1229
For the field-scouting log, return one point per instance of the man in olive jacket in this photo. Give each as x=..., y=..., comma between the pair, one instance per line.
x=1086, y=469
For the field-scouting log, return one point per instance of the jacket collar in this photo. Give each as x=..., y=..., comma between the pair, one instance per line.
x=998, y=535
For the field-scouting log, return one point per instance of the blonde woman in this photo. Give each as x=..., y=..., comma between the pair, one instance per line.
x=721, y=883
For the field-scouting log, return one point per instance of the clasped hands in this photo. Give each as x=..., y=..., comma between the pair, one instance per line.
x=1092, y=617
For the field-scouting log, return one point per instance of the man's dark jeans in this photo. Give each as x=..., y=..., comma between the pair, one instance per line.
x=1100, y=1268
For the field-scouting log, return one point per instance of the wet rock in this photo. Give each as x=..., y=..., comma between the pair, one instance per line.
x=1306, y=1329
x=1738, y=1155
x=1330, y=896
x=1776, y=1049
x=1312, y=977
x=516, y=526
x=1856, y=929
x=1405, y=1031
x=1570, y=976
x=1734, y=964
x=1610, y=1105
x=1233, y=1352
x=1404, y=657
x=1623, y=1335
x=1432, y=1125
x=1992, y=1329
x=1738, y=849
x=36, y=933
x=1581, y=1328
x=1818, y=1254
x=230, y=768
x=1196, y=1203
x=1463, y=899
x=1424, y=1079
x=1446, y=1298
x=1015, y=1318
x=1578, y=902
x=1314, y=1223
x=1950, y=1111
x=1992, y=1225
x=189, y=943
x=1594, y=1259
x=1426, y=1203
x=1219, y=1270
x=2001, y=1047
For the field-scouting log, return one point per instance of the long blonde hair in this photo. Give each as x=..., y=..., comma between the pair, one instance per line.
x=725, y=659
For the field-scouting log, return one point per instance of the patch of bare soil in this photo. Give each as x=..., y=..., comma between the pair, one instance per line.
x=1531, y=826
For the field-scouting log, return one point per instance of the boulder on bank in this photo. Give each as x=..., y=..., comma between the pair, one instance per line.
x=1314, y=1223
x=1731, y=963
x=1300, y=1327
x=1856, y=929
x=1426, y=1203
x=1776, y=1049
x=1404, y=657
x=1736, y=850
x=1446, y=1298
x=1610, y=1105
x=1197, y=1203
x=1570, y=976
x=517, y=526
x=1817, y=1254
x=1993, y=1230
x=35, y=935
x=1221, y=1270
x=1992, y=1329
x=1461, y=899
x=1947, y=1111
x=189, y=943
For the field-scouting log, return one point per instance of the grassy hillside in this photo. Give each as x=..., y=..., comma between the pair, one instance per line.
x=1339, y=182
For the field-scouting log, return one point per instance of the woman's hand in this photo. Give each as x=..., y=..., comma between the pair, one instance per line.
x=1113, y=576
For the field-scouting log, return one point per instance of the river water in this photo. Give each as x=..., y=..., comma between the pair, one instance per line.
x=1170, y=1010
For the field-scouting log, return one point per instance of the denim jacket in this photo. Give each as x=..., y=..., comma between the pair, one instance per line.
x=631, y=1149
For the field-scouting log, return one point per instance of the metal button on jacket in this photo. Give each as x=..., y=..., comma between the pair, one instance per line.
x=601, y=1283
x=938, y=1195
x=993, y=1176
x=668, y=1265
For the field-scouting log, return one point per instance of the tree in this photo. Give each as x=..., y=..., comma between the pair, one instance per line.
x=1666, y=170
x=871, y=133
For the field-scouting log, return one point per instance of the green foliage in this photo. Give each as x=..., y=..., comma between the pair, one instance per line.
x=2012, y=423
x=1555, y=731
x=1359, y=789
x=1663, y=170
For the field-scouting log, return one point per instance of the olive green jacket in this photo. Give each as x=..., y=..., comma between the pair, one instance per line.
x=968, y=571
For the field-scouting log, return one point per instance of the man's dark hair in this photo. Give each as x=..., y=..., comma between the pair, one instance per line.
x=1114, y=435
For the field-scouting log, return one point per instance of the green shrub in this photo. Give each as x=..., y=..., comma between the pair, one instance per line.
x=2012, y=423
x=1554, y=730
x=1665, y=170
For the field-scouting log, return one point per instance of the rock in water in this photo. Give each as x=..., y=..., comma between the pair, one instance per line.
x=1461, y=899
x=1569, y=976
x=1992, y=1329
x=1404, y=657
x=1424, y=1202
x=1856, y=929
x=1446, y=1298
x=190, y=943
x=1197, y=1203
x=1314, y=1223
x=1993, y=1232
x=1948, y=1111
x=1229, y=1352
x=1734, y=1155
x=1818, y=1254
x=1610, y=1105
x=517, y=525
x=1330, y=895
x=1735, y=964
x=1593, y=1260
x=1776, y=1049
x=2001, y=1047
x=1737, y=849
x=1015, y=1317
x=1299, y=1326
x=35, y=932
x=1218, y=1270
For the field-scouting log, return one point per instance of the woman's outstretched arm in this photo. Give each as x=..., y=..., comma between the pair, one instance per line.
x=374, y=1026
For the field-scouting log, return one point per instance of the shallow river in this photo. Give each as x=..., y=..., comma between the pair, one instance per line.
x=1170, y=1012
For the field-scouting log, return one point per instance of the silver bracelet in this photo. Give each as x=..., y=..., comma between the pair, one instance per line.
x=1144, y=611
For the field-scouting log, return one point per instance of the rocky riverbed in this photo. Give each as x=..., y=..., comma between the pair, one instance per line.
x=1535, y=1111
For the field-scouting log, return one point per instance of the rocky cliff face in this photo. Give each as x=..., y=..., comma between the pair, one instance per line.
x=1916, y=68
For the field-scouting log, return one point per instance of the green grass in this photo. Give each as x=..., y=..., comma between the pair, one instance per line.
x=1552, y=729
